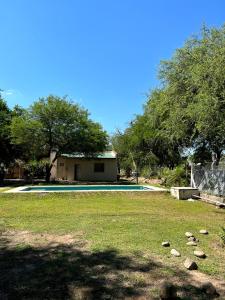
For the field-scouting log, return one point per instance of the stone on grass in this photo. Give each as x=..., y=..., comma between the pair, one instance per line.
x=199, y=253
x=209, y=289
x=191, y=243
x=168, y=291
x=174, y=252
x=190, y=264
x=192, y=238
x=188, y=234
x=203, y=231
x=165, y=244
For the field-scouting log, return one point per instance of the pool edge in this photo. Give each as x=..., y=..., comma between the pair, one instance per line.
x=21, y=189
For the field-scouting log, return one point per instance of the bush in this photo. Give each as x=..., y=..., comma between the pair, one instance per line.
x=175, y=177
x=35, y=169
x=150, y=172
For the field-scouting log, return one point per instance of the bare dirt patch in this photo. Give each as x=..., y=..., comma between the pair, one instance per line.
x=42, y=240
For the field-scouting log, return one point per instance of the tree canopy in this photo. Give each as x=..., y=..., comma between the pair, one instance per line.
x=187, y=111
x=54, y=123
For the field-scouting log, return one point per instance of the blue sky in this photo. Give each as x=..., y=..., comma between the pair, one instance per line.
x=104, y=54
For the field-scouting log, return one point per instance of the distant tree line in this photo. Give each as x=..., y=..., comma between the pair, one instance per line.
x=28, y=136
x=186, y=114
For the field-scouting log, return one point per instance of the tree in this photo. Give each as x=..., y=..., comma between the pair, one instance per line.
x=194, y=82
x=5, y=145
x=54, y=123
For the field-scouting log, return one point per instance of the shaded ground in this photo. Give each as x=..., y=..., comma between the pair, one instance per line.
x=47, y=266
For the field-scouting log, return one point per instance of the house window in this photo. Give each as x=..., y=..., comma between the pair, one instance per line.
x=99, y=167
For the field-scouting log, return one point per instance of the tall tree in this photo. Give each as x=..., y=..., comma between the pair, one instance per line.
x=5, y=120
x=194, y=81
x=54, y=123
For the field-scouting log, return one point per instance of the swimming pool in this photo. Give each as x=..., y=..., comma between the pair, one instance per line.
x=83, y=188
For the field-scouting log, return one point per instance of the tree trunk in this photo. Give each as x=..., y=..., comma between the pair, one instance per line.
x=216, y=156
x=48, y=174
x=49, y=167
x=2, y=176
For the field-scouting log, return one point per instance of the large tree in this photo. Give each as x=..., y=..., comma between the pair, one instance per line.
x=54, y=123
x=5, y=145
x=187, y=112
x=8, y=151
x=194, y=83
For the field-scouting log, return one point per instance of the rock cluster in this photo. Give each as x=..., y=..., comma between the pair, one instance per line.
x=192, y=241
x=168, y=291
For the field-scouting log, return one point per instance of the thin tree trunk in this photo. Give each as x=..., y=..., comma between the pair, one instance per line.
x=49, y=167
x=216, y=156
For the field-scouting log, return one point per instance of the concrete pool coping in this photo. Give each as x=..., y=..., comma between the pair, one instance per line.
x=22, y=189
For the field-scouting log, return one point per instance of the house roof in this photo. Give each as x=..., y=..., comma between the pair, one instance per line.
x=102, y=155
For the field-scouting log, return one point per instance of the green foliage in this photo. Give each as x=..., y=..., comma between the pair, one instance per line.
x=151, y=171
x=54, y=123
x=5, y=119
x=187, y=112
x=174, y=177
x=195, y=96
x=34, y=168
x=142, y=144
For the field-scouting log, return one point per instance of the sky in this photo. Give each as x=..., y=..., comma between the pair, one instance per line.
x=103, y=54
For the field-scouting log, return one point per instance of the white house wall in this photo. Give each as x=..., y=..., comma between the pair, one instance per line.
x=64, y=169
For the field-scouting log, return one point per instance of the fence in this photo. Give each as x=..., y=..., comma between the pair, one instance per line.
x=209, y=178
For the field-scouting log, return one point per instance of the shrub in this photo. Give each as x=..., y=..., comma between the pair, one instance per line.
x=150, y=172
x=175, y=177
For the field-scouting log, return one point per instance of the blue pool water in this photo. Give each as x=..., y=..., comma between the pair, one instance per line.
x=86, y=188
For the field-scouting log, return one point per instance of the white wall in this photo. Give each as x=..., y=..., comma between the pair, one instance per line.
x=65, y=169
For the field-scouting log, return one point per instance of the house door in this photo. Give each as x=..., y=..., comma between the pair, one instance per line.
x=76, y=172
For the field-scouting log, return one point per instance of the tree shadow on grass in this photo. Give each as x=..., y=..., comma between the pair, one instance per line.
x=66, y=272
x=63, y=272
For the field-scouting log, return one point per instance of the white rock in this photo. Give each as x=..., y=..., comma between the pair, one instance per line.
x=174, y=252
x=165, y=244
x=199, y=253
x=192, y=238
x=188, y=234
x=190, y=264
x=191, y=243
x=203, y=231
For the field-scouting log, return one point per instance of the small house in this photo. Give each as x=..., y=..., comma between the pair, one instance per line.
x=78, y=167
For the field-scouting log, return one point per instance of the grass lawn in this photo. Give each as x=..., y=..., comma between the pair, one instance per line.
x=117, y=229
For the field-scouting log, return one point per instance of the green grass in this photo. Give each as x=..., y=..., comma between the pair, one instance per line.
x=128, y=222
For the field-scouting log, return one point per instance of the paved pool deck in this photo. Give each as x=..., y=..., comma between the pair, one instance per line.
x=82, y=188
